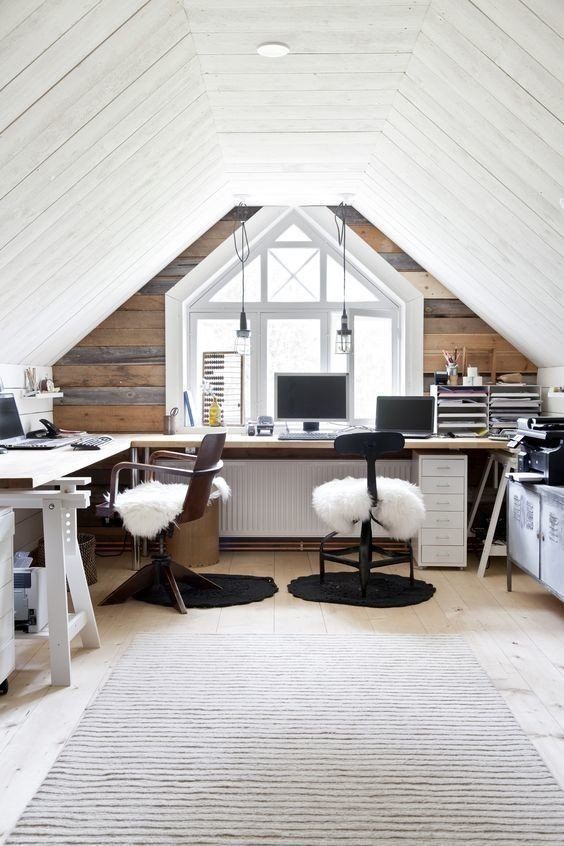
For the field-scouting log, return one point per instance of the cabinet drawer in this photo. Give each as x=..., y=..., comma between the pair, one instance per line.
x=442, y=537
x=447, y=484
x=7, y=660
x=6, y=629
x=449, y=555
x=442, y=502
x=442, y=466
x=444, y=520
x=6, y=599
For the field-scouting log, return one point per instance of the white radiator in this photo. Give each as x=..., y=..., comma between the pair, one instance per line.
x=273, y=498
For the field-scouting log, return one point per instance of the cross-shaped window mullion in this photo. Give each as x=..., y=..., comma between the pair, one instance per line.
x=293, y=275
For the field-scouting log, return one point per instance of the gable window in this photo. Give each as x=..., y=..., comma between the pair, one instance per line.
x=293, y=300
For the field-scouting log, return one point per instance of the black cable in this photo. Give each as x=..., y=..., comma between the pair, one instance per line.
x=342, y=239
x=245, y=251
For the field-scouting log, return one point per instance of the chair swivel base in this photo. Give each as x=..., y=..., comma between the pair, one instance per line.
x=363, y=561
x=161, y=572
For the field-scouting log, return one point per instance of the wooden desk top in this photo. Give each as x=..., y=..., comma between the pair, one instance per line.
x=24, y=470
x=258, y=442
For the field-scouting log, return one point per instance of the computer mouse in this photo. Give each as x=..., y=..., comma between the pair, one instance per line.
x=3, y=449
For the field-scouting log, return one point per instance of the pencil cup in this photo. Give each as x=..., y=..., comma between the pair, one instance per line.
x=452, y=370
x=169, y=427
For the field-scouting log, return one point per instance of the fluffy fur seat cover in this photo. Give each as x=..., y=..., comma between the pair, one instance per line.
x=150, y=507
x=343, y=502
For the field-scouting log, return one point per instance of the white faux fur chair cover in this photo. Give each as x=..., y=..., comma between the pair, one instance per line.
x=150, y=507
x=343, y=502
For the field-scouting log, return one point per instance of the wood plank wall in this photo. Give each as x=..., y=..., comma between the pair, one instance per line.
x=114, y=378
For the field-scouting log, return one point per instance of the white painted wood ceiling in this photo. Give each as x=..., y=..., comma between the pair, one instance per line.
x=128, y=128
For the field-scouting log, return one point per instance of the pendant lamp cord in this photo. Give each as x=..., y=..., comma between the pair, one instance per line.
x=341, y=215
x=243, y=252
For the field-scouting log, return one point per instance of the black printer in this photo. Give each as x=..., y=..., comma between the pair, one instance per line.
x=541, y=447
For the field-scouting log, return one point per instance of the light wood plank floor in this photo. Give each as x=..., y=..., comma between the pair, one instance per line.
x=518, y=638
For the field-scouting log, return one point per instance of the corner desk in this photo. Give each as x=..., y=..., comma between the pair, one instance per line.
x=45, y=480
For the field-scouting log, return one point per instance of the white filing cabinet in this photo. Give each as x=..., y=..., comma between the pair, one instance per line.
x=443, y=482
x=535, y=533
x=7, y=641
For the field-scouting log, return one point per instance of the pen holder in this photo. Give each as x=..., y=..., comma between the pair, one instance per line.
x=169, y=425
x=452, y=373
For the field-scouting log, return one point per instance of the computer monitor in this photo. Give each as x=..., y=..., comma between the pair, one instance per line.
x=10, y=422
x=412, y=416
x=311, y=397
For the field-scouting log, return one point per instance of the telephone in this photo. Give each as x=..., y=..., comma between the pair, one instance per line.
x=265, y=423
x=50, y=430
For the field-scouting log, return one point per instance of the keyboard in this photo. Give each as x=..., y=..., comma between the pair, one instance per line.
x=92, y=443
x=307, y=436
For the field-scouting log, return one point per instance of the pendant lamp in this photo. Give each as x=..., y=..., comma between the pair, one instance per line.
x=243, y=334
x=343, y=340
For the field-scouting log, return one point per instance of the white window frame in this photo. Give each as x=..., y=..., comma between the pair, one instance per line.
x=189, y=300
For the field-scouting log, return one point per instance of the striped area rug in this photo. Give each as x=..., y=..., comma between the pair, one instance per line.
x=322, y=740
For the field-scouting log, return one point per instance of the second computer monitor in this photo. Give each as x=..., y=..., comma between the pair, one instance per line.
x=311, y=397
x=413, y=416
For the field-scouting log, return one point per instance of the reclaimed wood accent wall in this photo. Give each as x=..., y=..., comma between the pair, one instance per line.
x=114, y=378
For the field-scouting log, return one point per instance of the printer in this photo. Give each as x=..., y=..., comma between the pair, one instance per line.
x=30, y=599
x=541, y=448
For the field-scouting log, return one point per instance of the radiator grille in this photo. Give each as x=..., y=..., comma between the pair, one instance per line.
x=273, y=498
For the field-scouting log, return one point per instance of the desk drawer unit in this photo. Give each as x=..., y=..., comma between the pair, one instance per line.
x=443, y=482
x=7, y=643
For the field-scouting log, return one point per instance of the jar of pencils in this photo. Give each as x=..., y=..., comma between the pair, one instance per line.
x=452, y=373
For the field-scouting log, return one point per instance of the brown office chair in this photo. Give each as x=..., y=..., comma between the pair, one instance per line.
x=189, y=505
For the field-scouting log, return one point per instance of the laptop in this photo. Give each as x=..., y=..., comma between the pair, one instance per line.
x=414, y=417
x=12, y=435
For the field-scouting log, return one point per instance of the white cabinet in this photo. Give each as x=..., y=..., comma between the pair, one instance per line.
x=7, y=642
x=443, y=482
x=535, y=533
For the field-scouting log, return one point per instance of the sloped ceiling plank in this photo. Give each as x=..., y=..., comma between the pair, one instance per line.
x=525, y=28
x=468, y=207
x=483, y=193
x=509, y=55
x=549, y=12
x=531, y=141
x=76, y=167
x=417, y=225
x=12, y=14
x=469, y=129
x=52, y=64
x=88, y=89
x=101, y=216
x=164, y=238
x=507, y=92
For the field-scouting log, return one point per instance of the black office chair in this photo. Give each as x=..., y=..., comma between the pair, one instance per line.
x=394, y=504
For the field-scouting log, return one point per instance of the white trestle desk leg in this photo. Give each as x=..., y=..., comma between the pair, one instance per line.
x=57, y=606
x=78, y=586
x=481, y=487
x=494, y=518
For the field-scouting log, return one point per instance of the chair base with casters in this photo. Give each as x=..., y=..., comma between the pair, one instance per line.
x=394, y=504
x=150, y=510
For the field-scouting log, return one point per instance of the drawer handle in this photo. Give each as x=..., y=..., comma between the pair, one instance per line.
x=446, y=485
x=441, y=537
x=443, y=520
x=443, y=467
x=446, y=502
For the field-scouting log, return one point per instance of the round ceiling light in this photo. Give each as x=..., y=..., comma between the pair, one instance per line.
x=273, y=49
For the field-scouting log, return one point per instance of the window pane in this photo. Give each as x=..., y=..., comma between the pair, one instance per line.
x=292, y=346
x=231, y=291
x=218, y=335
x=372, y=350
x=293, y=233
x=293, y=274
x=356, y=291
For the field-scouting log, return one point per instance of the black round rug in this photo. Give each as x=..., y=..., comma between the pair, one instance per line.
x=235, y=590
x=384, y=590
